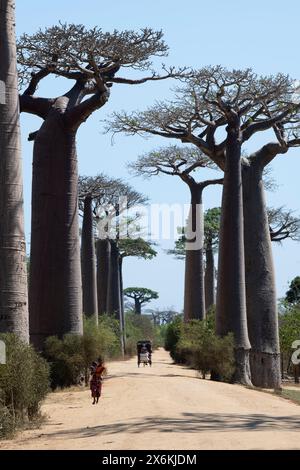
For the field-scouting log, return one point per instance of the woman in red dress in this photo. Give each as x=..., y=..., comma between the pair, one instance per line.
x=97, y=371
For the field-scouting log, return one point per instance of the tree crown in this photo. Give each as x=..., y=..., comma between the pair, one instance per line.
x=142, y=294
x=171, y=160
x=137, y=247
x=73, y=51
x=209, y=100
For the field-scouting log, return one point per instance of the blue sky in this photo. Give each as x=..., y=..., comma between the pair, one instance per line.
x=262, y=35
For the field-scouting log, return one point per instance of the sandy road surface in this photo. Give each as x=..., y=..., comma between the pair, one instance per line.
x=164, y=407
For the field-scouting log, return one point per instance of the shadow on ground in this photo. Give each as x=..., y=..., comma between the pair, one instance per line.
x=189, y=422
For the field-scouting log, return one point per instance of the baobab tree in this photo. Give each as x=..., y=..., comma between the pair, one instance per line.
x=162, y=317
x=90, y=59
x=133, y=247
x=141, y=296
x=211, y=236
x=105, y=221
x=241, y=104
x=211, y=239
x=89, y=189
x=113, y=211
x=182, y=162
x=13, y=275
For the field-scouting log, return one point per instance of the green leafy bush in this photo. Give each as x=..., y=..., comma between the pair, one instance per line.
x=139, y=327
x=24, y=383
x=196, y=344
x=71, y=356
x=289, y=331
x=172, y=336
x=7, y=422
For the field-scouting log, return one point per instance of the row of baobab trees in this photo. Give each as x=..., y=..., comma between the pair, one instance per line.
x=214, y=114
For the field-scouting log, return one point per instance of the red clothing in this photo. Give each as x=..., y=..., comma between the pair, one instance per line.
x=96, y=381
x=95, y=386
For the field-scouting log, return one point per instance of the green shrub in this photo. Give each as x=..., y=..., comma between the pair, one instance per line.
x=66, y=359
x=196, y=344
x=109, y=336
x=7, y=422
x=172, y=336
x=71, y=356
x=289, y=331
x=214, y=354
x=24, y=383
x=139, y=327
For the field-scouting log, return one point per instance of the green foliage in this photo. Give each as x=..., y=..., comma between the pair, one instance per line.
x=136, y=247
x=141, y=293
x=289, y=328
x=292, y=296
x=66, y=359
x=212, y=219
x=211, y=233
x=139, y=327
x=196, y=344
x=24, y=383
x=71, y=357
x=172, y=335
x=109, y=335
x=141, y=296
x=7, y=422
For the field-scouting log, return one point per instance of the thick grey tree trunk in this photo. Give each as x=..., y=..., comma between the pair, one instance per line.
x=194, y=297
x=260, y=282
x=55, y=295
x=122, y=301
x=13, y=275
x=231, y=294
x=103, y=251
x=114, y=293
x=137, y=306
x=88, y=263
x=210, y=296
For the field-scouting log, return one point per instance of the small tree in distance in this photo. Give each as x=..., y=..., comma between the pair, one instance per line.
x=141, y=296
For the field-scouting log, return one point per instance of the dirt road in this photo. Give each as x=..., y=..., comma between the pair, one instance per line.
x=164, y=407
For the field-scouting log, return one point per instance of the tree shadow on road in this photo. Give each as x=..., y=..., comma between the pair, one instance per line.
x=187, y=423
x=148, y=374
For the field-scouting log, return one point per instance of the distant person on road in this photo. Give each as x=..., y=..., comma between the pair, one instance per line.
x=98, y=369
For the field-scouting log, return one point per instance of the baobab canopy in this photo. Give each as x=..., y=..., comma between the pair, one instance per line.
x=200, y=108
x=75, y=52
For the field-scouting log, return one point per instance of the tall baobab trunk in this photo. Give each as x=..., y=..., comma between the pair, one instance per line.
x=137, y=306
x=122, y=301
x=194, y=298
x=13, y=275
x=55, y=294
x=210, y=297
x=55, y=297
x=88, y=262
x=231, y=295
x=114, y=293
x=103, y=262
x=260, y=282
